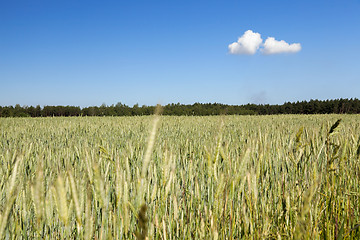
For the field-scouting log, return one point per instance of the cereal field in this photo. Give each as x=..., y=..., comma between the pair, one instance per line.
x=162, y=177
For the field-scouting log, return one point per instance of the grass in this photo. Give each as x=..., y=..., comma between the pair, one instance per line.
x=224, y=177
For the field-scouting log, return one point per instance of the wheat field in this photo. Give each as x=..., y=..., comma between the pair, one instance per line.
x=162, y=177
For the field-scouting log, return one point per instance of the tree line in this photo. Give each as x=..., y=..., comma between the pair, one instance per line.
x=339, y=106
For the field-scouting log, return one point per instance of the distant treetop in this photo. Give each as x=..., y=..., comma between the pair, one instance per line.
x=197, y=109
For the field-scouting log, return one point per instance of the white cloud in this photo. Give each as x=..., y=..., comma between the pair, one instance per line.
x=248, y=43
x=272, y=46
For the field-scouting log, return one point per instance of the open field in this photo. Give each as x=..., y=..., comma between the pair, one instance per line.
x=225, y=177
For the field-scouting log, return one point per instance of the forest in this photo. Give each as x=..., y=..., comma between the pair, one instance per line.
x=337, y=106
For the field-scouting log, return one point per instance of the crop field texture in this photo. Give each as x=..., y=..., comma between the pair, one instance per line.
x=161, y=177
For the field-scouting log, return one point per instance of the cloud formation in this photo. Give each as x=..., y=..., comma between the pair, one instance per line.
x=250, y=42
x=272, y=46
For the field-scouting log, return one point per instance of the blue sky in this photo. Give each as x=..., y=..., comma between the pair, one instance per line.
x=86, y=53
